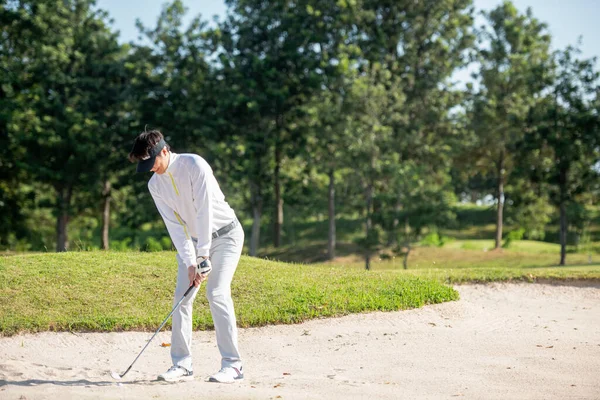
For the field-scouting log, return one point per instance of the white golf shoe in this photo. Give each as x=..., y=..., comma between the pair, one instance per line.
x=227, y=375
x=176, y=374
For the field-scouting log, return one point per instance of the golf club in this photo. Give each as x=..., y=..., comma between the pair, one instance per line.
x=115, y=374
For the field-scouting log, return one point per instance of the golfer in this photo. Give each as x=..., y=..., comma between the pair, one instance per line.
x=208, y=239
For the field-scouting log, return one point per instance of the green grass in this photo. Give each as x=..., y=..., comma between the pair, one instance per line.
x=112, y=291
x=457, y=265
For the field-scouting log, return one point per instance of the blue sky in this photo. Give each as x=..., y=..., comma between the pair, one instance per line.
x=567, y=19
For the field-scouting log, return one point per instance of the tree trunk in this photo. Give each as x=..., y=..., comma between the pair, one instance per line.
x=368, y=225
x=393, y=240
x=331, y=238
x=563, y=233
x=278, y=199
x=407, y=238
x=256, y=200
x=473, y=196
x=255, y=236
x=563, y=215
x=500, y=172
x=405, y=261
x=62, y=220
x=106, y=193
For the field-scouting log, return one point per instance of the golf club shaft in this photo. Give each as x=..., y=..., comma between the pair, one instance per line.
x=159, y=328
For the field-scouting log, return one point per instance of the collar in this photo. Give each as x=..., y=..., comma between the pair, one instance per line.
x=172, y=160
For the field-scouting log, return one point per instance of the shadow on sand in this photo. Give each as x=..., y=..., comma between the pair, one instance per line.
x=78, y=382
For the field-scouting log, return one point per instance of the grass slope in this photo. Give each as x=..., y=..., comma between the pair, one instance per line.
x=107, y=291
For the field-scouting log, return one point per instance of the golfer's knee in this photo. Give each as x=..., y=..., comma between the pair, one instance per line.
x=217, y=295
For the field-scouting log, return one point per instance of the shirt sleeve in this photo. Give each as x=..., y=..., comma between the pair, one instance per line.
x=177, y=230
x=203, y=204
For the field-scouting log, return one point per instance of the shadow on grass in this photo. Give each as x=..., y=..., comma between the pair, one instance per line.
x=484, y=233
x=596, y=264
x=307, y=253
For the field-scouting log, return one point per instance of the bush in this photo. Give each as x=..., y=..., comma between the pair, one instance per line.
x=120, y=245
x=152, y=244
x=373, y=242
x=83, y=245
x=17, y=244
x=513, y=235
x=432, y=240
x=165, y=242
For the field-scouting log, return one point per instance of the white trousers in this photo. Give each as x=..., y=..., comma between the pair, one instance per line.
x=224, y=255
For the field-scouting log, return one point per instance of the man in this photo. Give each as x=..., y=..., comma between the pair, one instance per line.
x=208, y=239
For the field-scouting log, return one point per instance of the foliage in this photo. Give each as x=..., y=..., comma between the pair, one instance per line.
x=516, y=234
x=434, y=239
x=332, y=109
x=515, y=63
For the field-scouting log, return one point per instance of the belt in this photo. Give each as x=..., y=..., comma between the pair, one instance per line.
x=225, y=229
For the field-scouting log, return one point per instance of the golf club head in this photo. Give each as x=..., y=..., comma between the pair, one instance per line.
x=115, y=375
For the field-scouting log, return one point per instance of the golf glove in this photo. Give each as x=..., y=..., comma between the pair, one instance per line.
x=203, y=266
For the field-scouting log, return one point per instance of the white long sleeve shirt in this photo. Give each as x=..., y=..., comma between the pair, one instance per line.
x=191, y=203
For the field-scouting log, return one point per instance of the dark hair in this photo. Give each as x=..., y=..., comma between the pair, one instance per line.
x=143, y=143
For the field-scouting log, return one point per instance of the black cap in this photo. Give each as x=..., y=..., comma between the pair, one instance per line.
x=147, y=164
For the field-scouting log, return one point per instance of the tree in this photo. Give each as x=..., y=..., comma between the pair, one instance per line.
x=328, y=114
x=12, y=84
x=328, y=119
x=59, y=114
x=513, y=74
x=119, y=119
x=569, y=129
x=272, y=44
x=421, y=44
x=371, y=138
x=241, y=127
x=172, y=76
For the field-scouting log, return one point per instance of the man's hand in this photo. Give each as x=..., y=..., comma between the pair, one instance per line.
x=199, y=273
x=195, y=278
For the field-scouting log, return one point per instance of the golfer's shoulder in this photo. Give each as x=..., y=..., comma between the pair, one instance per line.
x=195, y=163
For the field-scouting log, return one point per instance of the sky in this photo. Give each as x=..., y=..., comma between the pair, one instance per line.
x=567, y=19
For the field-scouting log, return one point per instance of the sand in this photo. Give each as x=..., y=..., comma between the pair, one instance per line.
x=500, y=341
